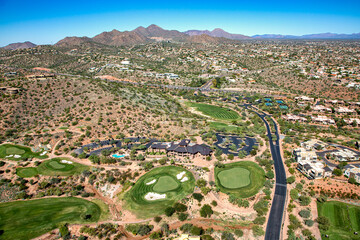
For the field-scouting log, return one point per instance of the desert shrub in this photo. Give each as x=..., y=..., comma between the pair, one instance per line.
x=309, y=222
x=304, y=213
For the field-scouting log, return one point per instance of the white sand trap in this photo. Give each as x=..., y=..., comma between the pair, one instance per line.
x=184, y=179
x=17, y=156
x=66, y=161
x=43, y=153
x=151, y=182
x=180, y=175
x=151, y=196
x=9, y=156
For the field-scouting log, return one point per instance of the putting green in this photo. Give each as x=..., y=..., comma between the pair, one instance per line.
x=165, y=184
x=14, y=150
x=242, y=179
x=56, y=165
x=234, y=178
x=9, y=151
x=52, y=167
x=26, y=172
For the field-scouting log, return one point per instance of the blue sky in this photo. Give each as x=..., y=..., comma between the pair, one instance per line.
x=46, y=22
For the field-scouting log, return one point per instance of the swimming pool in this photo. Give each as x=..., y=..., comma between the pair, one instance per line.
x=118, y=156
x=279, y=101
x=268, y=104
x=268, y=99
x=283, y=107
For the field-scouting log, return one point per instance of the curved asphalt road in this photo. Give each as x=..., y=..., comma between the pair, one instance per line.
x=273, y=228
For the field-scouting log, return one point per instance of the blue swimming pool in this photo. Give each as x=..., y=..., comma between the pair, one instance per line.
x=268, y=104
x=118, y=156
x=284, y=107
x=268, y=99
x=279, y=101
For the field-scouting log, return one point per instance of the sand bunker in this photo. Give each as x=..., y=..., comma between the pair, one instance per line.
x=17, y=156
x=9, y=156
x=66, y=161
x=43, y=153
x=184, y=179
x=151, y=182
x=180, y=175
x=151, y=196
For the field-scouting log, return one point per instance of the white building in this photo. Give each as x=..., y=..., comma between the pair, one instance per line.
x=322, y=120
x=314, y=169
x=301, y=154
x=352, y=171
x=344, y=155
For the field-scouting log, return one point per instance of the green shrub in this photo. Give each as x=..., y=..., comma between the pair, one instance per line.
x=169, y=211
x=257, y=230
x=206, y=211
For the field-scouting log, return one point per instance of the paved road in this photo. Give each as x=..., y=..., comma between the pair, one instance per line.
x=274, y=226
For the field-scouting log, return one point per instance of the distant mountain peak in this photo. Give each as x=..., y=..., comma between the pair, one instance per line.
x=20, y=45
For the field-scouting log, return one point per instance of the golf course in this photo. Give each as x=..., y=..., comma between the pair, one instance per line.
x=216, y=112
x=242, y=179
x=52, y=167
x=159, y=189
x=23, y=220
x=17, y=152
x=344, y=219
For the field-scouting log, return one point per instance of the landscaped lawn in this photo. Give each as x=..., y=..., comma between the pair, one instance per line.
x=52, y=167
x=29, y=219
x=215, y=111
x=162, y=180
x=344, y=219
x=242, y=179
x=17, y=152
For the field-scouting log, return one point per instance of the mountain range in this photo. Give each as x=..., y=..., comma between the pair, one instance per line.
x=154, y=33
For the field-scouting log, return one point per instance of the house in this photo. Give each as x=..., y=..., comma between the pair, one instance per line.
x=301, y=154
x=314, y=169
x=304, y=99
x=353, y=171
x=313, y=144
x=350, y=121
x=344, y=110
x=187, y=237
x=291, y=117
x=322, y=119
x=321, y=108
x=345, y=155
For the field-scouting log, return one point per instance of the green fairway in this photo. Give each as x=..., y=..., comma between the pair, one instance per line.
x=242, y=179
x=344, y=219
x=234, y=178
x=165, y=184
x=29, y=219
x=17, y=152
x=52, y=167
x=215, y=111
x=223, y=127
x=162, y=181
